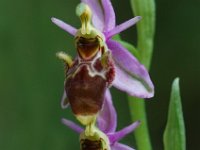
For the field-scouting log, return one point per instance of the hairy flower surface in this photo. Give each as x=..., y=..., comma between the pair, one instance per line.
x=131, y=76
x=107, y=123
x=89, y=74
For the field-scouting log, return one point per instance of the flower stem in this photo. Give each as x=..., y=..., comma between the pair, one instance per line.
x=145, y=30
x=138, y=112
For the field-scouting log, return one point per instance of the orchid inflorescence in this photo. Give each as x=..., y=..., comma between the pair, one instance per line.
x=100, y=63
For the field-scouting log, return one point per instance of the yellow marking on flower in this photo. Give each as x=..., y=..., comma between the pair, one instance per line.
x=97, y=139
x=65, y=57
x=85, y=14
x=106, y=56
x=89, y=121
x=87, y=30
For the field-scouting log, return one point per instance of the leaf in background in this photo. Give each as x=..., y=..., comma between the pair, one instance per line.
x=116, y=37
x=174, y=134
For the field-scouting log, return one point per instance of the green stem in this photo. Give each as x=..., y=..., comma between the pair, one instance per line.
x=138, y=112
x=145, y=30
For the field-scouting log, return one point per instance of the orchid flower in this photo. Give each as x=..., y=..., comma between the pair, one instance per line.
x=107, y=123
x=131, y=76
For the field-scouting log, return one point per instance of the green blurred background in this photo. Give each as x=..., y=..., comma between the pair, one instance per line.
x=31, y=78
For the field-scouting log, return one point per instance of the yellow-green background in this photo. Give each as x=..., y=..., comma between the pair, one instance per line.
x=31, y=78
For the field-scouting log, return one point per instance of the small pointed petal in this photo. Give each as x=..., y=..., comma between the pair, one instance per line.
x=131, y=76
x=97, y=13
x=107, y=119
x=109, y=15
x=72, y=125
x=114, y=137
x=118, y=146
x=66, y=27
x=64, y=100
x=122, y=27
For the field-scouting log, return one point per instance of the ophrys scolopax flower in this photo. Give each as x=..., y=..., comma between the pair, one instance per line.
x=131, y=76
x=90, y=73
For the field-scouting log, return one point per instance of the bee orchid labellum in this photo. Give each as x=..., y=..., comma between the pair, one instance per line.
x=90, y=73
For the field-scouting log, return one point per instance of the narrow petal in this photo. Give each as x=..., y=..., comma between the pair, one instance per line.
x=118, y=146
x=68, y=28
x=97, y=13
x=109, y=15
x=107, y=119
x=115, y=137
x=72, y=125
x=122, y=27
x=131, y=76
